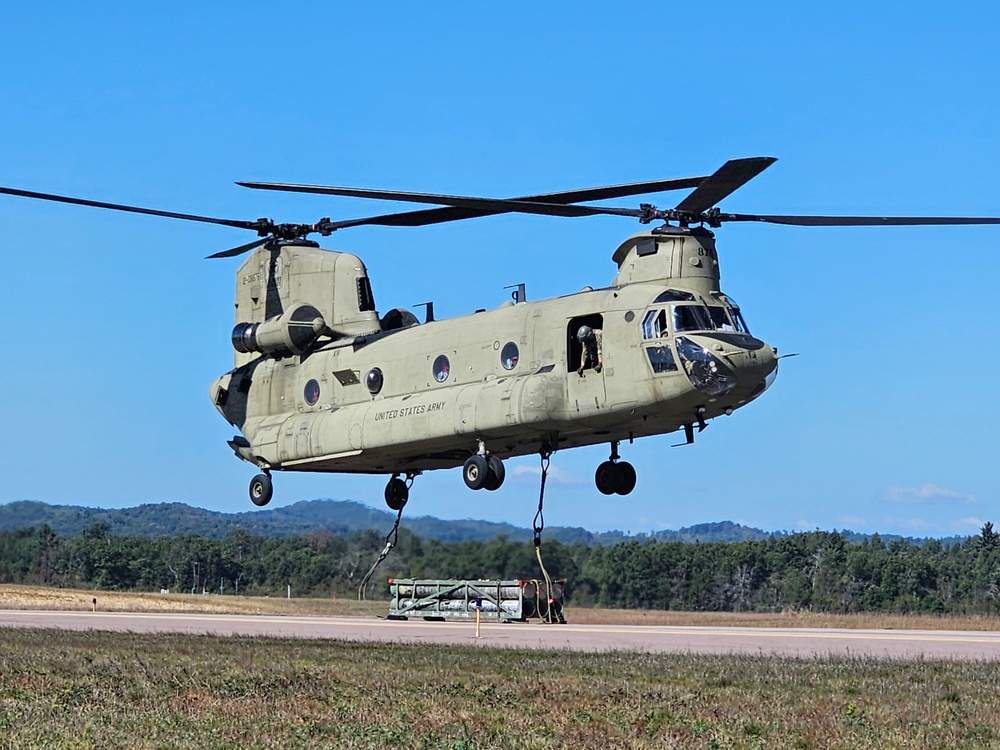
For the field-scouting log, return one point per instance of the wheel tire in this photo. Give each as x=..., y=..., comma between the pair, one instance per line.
x=626, y=478
x=606, y=478
x=396, y=493
x=261, y=490
x=476, y=472
x=496, y=473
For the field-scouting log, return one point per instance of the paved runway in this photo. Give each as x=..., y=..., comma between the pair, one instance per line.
x=803, y=642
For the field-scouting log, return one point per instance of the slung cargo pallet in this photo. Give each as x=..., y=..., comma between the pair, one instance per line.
x=504, y=601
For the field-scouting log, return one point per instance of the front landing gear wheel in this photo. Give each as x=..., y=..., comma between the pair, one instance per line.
x=476, y=472
x=396, y=493
x=606, y=478
x=496, y=473
x=261, y=490
x=614, y=478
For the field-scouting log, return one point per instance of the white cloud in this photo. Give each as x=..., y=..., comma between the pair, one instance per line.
x=926, y=493
x=555, y=474
x=969, y=524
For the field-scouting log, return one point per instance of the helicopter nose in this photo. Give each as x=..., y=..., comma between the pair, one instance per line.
x=740, y=369
x=760, y=371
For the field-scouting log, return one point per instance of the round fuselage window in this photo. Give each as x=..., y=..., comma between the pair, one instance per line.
x=442, y=367
x=311, y=393
x=374, y=380
x=509, y=356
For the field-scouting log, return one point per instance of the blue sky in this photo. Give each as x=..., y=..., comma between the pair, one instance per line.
x=115, y=324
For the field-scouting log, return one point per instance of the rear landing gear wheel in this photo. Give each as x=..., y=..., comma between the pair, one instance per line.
x=476, y=472
x=606, y=478
x=396, y=493
x=496, y=473
x=625, y=480
x=261, y=490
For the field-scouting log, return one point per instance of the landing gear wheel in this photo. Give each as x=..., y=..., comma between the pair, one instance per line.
x=261, y=490
x=396, y=493
x=496, y=473
x=476, y=472
x=625, y=481
x=606, y=478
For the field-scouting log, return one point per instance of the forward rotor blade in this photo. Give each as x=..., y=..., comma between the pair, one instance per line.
x=234, y=251
x=541, y=203
x=494, y=205
x=562, y=198
x=859, y=221
x=729, y=177
x=131, y=209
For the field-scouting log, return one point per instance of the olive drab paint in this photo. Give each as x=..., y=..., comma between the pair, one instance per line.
x=321, y=382
x=423, y=418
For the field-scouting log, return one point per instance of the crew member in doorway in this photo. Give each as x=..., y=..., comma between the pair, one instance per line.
x=591, y=339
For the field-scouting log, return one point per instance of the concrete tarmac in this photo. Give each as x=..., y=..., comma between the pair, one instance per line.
x=796, y=642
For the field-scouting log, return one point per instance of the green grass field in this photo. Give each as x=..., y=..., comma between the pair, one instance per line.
x=100, y=690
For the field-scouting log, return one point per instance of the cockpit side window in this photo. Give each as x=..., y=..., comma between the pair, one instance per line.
x=721, y=319
x=654, y=324
x=661, y=358
x=741, y=325
x=734, y=311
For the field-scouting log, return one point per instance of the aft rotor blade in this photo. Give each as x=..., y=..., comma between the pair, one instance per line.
x=859, y=221
x=729, y=177
x=131, y=209
x=541, y=203
x=234, y=251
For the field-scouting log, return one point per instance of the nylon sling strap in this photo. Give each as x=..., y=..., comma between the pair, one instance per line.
x=390, y=542
x=549, y=616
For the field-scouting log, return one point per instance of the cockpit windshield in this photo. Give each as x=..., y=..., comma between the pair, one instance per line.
x=692, y=318
x=684, y=314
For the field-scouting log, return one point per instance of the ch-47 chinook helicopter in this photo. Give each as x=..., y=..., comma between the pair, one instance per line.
x=322, y=383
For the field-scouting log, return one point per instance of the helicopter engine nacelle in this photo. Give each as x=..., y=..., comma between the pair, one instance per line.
x=292, y=332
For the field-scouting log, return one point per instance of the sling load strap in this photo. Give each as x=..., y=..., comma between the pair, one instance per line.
x=538, y=526
x=390, y=542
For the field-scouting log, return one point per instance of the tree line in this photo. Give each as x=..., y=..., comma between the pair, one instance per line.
x=819, y=571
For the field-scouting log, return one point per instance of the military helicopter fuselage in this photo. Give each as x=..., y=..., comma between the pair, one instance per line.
x=323, y=384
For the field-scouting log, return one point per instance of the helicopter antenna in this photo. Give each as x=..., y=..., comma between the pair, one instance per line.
x=428, y=310
x=518, y=295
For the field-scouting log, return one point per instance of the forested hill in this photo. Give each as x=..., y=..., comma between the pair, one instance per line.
x=336, y=516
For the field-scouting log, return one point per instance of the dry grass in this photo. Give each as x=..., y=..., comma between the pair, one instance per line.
x=32, y=597
x=39, y=597
x=99, y=690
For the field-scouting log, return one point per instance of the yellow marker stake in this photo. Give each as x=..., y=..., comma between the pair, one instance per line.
x=477, y=621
